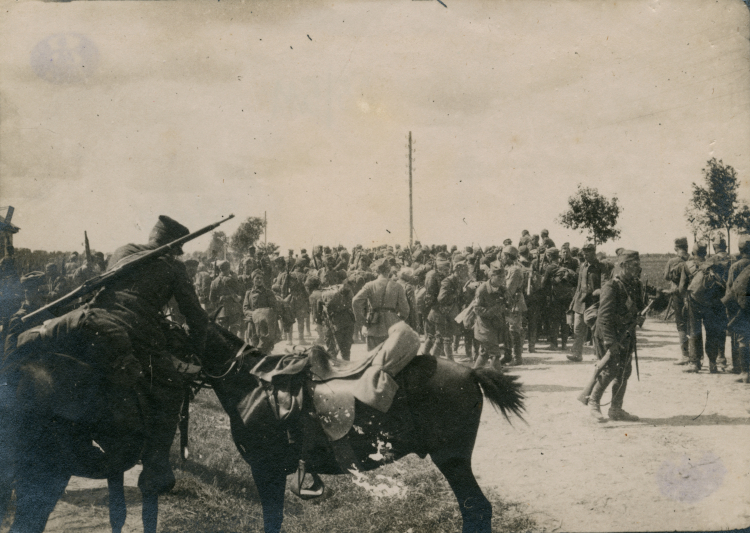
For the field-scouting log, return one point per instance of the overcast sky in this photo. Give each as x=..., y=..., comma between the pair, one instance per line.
x=116, y=112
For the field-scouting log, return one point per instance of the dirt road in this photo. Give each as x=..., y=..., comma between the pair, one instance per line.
x=671, y=470
x=684, y=466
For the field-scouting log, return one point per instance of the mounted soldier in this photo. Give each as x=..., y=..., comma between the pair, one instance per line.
x=136, y=300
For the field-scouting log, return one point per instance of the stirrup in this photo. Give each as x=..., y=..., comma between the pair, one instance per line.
x=314, y=491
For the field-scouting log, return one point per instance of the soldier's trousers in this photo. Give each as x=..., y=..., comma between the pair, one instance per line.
x=741, y=329
x=439, y=338
x=616, y=371
x=339, y=340
x=534, y=317
x=557, y=324
x=580, y=332
x=680, y=317
x=713, y=319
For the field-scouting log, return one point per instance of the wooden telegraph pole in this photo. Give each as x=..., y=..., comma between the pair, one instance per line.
x=411, y=204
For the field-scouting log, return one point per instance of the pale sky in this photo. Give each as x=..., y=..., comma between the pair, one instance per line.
x=113, y=113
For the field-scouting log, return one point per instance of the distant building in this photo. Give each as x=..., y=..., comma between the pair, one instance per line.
x=7, y=230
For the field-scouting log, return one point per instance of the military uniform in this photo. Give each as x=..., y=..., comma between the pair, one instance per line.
x=489, y=324
x=672, y=274
x=137, y=300
x=694, y=315
x=261, y=313
x=387, y=299
x=589, y=282
x=337, y=317
x=516, y=303
x=226, y=293
x=616, y=321
x=558, y=283
x=739, y=318
x=433, y=279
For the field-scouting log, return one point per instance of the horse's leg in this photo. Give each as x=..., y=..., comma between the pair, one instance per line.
x=271, y=483
x=150, y=514
x=476, y=510
x=36, y=497
x=117, y=509
x=184, y=425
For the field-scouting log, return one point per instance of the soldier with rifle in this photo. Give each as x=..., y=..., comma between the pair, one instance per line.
x=620, y=306
x=140, y=281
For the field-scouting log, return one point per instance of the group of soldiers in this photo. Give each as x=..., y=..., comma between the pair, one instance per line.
x=337, y=297
x=708, y=299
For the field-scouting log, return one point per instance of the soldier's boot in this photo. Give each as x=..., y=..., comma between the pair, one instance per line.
x=744, y=376
x=685, y=359
x=480, y=362
x=595, y=399
x=456, y=343
x=695, y=349
x=721, y=358
x=448, y=347
x=736, y=365
x=517, y=344
x=564, y=337
x=164, y=406
x=616, y=412
x=429, y=342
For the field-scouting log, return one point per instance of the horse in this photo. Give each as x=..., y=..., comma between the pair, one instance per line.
x=436, y=412
x=61, y=416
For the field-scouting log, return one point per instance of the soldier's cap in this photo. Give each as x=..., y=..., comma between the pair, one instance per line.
x=619, y=251
x=552, y=252
x=565, y=246
x=312, y=283
x=718, y=241
x=544, y=232
x=511, y=251
x=442, y=260
x=627, y=256
x=167, y=230
x=469, y=249
x=681, y=242
x=549, y=243
x=588, y=247
x=257, y=273
x=382, y=266
x=535, y=238
x=575, y=250
x=524, y=232
x=303, y=251
x=280, y=260
x=32, y=280
x=50, y=267
x=507, y=242
x=223, y=265
x=523, y=250
x=743, y=242
x=699, y=248
x=327, y=250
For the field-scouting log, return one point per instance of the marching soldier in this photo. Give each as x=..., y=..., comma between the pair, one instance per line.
x=619, y=306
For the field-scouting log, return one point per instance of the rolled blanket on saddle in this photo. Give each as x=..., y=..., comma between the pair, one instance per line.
x=334, y=384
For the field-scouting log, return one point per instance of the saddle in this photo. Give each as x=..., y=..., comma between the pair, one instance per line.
x=332, y=386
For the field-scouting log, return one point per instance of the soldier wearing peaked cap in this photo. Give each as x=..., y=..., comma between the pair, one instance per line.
x=673, y=274
x=225, y=293
x=586, y=297
x=619, y=306
x=137, y=300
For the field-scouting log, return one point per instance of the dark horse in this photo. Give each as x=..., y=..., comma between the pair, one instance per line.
x=436, y=412
x=60, y=416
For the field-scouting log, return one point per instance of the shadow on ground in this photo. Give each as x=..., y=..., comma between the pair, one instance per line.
x=692, y=420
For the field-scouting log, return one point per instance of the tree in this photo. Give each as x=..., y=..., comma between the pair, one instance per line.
x=717, y=201
x=593, y=213
x=698, y=223
x=247, y=234
x=268, y=249
x=217, y=247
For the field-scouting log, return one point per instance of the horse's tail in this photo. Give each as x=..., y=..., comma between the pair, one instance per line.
x=502, y=390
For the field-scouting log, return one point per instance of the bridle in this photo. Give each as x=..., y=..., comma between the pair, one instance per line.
x=236, y=361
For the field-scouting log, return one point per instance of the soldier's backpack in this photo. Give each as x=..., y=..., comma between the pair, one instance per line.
x=739, y=289
x=707, y=285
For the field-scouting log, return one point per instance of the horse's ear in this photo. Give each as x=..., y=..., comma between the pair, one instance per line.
x=212, y=317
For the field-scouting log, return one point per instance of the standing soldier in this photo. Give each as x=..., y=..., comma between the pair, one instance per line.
x=260, y=308
x=225, y=293
x=489, y=325
x=672, y=274
x=739, y=317
x=202, y=284
x=516, y=303
x=337, y=317
x=449, y=300
x=585, y=298
x=432, y=283
x=616, y=321
x=292, y=291
x=694, y=312
x=559, y=284
x=723, y=262
x=386, y=305
x=406, y=280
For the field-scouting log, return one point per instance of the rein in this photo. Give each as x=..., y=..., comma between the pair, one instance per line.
x=237, y=361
